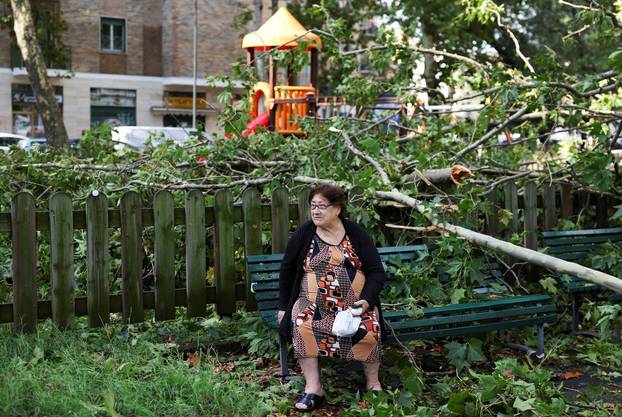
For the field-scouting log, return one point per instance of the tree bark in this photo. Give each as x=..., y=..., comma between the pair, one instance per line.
x=453, y=174
x=47, y=106
x=531, y=256
x=430, y=66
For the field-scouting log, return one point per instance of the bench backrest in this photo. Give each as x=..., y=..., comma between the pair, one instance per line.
x=575, y=245
x=264, y=274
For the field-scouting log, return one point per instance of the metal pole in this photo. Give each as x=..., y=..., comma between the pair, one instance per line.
x=194, y=67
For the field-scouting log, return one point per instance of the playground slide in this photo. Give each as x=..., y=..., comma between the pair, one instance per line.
x=261, y=120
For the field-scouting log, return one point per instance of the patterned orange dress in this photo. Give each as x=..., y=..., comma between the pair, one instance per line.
x=332, y=281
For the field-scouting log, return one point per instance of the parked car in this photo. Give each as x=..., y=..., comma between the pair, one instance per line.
x=137, y=137
x=9, y=139
x=74, y=143
x=28, y=144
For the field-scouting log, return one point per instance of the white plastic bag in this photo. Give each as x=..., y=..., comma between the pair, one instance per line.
x=347, y=322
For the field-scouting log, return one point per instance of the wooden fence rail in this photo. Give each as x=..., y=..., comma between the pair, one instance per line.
x=534, y=209
x=541, y=208
x=60, y=221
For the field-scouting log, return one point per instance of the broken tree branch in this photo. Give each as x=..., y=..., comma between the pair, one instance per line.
x=534, y=257
x=453, y=174
x=490, y=133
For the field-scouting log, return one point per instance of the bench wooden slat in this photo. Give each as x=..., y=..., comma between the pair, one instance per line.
x=268, y=304
x=572, y=257
x=473, y=317
x=583, y=248
x=482, y=328
x=583, y=232
x=276, y=257
x=264, y=267
x=267, y=295
x=266, y=286
x=385, y=250
x=582, y=240
x=578, y=246
x=261, y=279
x=453, y=308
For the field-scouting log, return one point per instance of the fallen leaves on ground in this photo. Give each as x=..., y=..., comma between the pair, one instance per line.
x=572, y=374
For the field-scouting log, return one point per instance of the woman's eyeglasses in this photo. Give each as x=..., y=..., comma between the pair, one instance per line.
x=320, y=207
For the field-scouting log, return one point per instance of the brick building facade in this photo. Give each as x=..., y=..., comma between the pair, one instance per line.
x=131, y=63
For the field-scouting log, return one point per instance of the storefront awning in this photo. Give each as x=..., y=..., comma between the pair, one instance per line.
x=179, y=111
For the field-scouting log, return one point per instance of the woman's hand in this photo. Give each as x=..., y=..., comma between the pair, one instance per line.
x=280, y=315
x=362, y=303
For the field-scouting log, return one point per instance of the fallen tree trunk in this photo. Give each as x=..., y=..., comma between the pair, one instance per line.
x=453, y=174
x=519, y=252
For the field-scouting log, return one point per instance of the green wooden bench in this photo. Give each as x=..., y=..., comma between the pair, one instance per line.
x=499, y=314
x=577, y=246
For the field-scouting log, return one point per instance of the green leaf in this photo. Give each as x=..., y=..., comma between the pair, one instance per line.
x=412, y=380
x=370, y=145
x=457, y=294
x=523, y=405
x=457, y=402
x=615, y=60
x=618, y=212
x=488, y=388
x=549, y=284
x=456, y=354
x=474, y=351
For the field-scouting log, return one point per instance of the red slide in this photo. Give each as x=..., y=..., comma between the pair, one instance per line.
x=261, y=120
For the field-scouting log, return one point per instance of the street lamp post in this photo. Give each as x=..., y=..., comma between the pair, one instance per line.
x=194, y=67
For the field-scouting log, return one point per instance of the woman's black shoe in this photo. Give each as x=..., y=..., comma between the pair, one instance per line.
x=311, y=402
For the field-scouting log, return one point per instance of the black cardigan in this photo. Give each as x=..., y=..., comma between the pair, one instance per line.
x=290, y=277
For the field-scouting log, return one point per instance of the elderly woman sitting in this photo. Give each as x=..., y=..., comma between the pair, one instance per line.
x=330, y=265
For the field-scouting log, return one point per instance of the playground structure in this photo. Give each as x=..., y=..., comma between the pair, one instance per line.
x=282, y=96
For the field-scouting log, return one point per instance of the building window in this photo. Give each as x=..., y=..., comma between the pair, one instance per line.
x=26, y=119
x=112, y=37
x=113, y=106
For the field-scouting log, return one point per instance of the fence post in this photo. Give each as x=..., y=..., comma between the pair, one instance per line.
x=61, y=257
x=531, y=215
x=164, y=248
x=251, y=213
x=196, y=291
x=132, y=257
x=602, y=211
x=24, y=253
x=511, y=204
x=224, y=268
x=550, y=209
x=304, y=213
x=492, y=215
x=280, y=219
x=97, y=286
x=566, y=201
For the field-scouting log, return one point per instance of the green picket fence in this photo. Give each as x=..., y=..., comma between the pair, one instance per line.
x=541, y=210
x=60, y=220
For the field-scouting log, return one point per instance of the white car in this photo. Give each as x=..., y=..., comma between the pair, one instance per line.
x=8, y=139
x=29, y=144
x=136, y=137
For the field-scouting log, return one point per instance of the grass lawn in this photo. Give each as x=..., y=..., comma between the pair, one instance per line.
x=213, y=367
x=121, y=371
